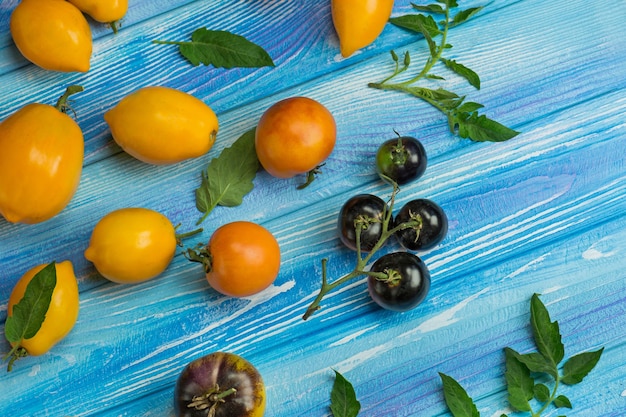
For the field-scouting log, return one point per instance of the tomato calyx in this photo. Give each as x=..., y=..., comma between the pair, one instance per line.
x=201, y=255
x=310, y=176
x=62, y=104
x=210, y=400
x=17, y=352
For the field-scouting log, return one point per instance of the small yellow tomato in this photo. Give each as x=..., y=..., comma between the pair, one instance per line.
x=359, y=22
x=161, y=125
x=52, y=34
x=41, y=159
x=105, y=11
x=132, y=245
x=62, y=312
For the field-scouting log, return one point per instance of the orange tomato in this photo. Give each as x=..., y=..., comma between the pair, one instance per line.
x=359, y=22
x=241, y=259
x=294, y=136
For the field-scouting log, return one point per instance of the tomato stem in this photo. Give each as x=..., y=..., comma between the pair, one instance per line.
x=181, y=236
x=362, y=262
x=310, y=176
x=17, y=352
x=61, y=105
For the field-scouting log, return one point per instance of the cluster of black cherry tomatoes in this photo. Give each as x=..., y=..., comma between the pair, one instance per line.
x=399, y=280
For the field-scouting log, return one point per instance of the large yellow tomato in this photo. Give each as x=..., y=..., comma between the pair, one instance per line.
x=62, y=311
x=132, y=245
x=52, y=34
x=359, y=22
x=105, y=11
x=41, y=159
x=162, y=125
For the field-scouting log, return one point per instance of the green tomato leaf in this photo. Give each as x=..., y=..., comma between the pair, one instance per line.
x=536, y=362
x=417, y=23
x=541, y=392
x=518, y=381
x=30, y=312
x=229, y=177
x=482, y=129
x=562, y=402
x=463, y=71
x=343, y=402
x=546, y=332
x=464, y=15
x=457, y=400
x=578, y=366
x=222, y=49
x=470, y=107
x=431, y=8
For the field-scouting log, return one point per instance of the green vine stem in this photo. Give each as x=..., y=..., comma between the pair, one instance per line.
x=62, y=104
x=362, y=261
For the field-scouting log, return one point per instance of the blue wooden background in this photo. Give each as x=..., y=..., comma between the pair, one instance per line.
x=541, y=213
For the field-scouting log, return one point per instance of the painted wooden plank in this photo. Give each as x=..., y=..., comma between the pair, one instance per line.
x=550, y=202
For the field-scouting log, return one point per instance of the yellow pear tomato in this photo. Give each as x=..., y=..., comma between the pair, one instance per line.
x=132, y=245
x=62, y=312
x=104, y=11
x=52, y=34
x=41, y=160
x=359, y=22
x=162, y=125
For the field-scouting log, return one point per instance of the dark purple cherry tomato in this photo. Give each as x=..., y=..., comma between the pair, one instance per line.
x=366, y=210
x=224, y=382
x=402, y=160
x=406, y=285
x=432, y=227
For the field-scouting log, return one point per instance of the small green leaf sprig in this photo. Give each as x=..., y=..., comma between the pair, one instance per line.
x=526, y=372
x=463, y=117
x=221, y=49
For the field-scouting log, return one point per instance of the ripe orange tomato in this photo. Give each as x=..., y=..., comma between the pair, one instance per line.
x=295, y=136
x=132, y=245
x=104, y=11
x=41, y=159
x=359, y=22
x=241, y=259
x=62, y=311
x=161, y=125
x=52, y=34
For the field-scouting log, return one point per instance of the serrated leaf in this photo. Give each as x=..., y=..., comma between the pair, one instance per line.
x=482, y=129
x=463, y=71
x=229, y=177
x=417, y=23
x=431, y=8
x=222, y=49
x=30, y=312
x=465, y=15
x=519, y=384
x=343, y=401
x=536, y=362
x=541, y=392
x=546, y=332
x=459, y=403
x=562, y=402
x=470, y=107
x=578, y=366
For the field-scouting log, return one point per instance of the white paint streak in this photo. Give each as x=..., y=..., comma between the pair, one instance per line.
x=361, y=357
x=351, y=336
x=448, y=317
x=526, y=267
x=34, y=370
x=593, y=254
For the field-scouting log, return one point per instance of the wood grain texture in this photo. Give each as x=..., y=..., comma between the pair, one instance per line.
x=542, y=213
